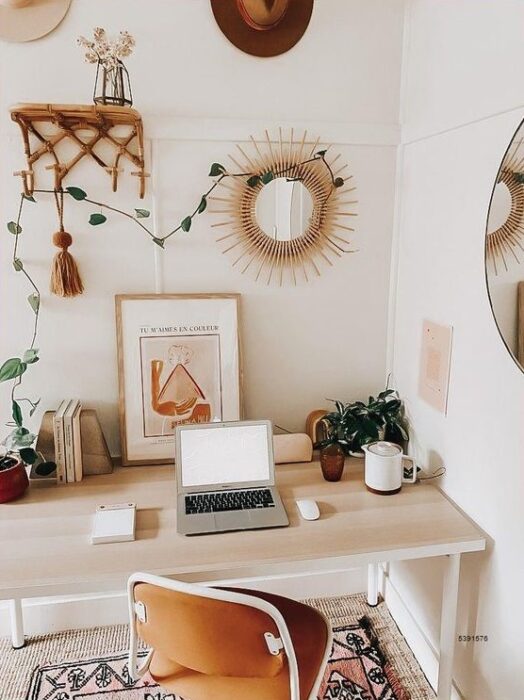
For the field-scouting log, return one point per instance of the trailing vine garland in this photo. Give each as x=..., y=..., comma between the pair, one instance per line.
x=21, y=439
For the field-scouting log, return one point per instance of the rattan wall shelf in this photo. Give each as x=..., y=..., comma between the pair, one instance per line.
x=45, y=126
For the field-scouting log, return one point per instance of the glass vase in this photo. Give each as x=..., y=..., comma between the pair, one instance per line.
x=112, y=86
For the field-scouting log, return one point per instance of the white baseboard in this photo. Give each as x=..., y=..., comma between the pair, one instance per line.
x=44, y=615
x=423, y=649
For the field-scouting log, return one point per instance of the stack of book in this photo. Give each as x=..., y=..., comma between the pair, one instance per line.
x=68, y=442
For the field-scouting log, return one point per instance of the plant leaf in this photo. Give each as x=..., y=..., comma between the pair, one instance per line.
x=28, y=455
x=33, y=408
x=216, y=169
x=253, y=180
x=14, y=228
x=34, y=301
x=96, y=219
x=17, y=414
x=159, y=242
x=18, y=264
x=142, y=213
x=186, y=224
x=29, y=198
x=30, y=356
x=202, y=206
x=321, y=153
x=11, y=369
x=45, y=468
x=267, y=177
x=76, y=193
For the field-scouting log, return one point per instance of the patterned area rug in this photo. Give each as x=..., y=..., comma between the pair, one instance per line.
x=357, y=670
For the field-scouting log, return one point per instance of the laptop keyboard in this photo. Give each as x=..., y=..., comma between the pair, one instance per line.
x=220, y=501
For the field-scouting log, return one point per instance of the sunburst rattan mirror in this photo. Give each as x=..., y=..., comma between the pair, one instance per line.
x=505, y=228
x=289, y=209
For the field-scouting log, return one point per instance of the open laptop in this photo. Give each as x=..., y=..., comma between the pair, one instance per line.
x=226, y=478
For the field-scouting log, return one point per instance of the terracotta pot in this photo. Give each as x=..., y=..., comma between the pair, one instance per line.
x=13, y=482
x=332, y=460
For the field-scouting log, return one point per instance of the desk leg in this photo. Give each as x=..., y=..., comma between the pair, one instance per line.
x=448, y=626
x=17, y=623
x=373, y=584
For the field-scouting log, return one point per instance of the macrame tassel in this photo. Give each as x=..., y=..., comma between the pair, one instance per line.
x=65, y=278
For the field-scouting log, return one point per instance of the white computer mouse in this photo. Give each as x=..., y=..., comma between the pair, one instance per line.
x=308, y=509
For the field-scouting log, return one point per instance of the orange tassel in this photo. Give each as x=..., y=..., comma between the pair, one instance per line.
x=65, y=278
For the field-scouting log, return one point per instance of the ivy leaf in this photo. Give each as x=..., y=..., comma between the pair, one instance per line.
x=28, y=455
x=267, y=177
x=142, y=213
x=202, y=206
x=29, y=198
x=12, y=368
x=338, y=182
x=17, y=414
x=76, y=193
x=321, y=153
x=34, y=301
x=159, y=242
x=216, y=169
x=34, y=407
x=14, y=228
x=96, y=219
x=45, y=468
x=186, y=224
x=18, y=264
x=253, y=180
x=30, y=356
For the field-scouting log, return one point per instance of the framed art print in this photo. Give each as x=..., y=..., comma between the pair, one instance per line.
x=178, y=362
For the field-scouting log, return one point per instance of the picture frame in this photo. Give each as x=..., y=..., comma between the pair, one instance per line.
x=179, y=361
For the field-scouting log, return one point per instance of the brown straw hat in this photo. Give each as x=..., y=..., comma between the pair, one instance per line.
x=25, y=20
x=263, y=27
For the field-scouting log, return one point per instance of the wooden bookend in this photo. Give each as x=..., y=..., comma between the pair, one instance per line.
x=95, y=454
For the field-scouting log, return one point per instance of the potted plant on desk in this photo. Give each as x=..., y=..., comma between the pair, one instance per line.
x=356, y=423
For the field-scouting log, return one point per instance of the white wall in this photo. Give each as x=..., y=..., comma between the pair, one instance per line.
x=462, y=105
x=199, y=95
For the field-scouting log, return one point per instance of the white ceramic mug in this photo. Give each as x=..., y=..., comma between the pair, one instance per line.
x=384, y=467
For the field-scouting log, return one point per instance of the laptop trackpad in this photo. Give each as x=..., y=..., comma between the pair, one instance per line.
x=235, y=520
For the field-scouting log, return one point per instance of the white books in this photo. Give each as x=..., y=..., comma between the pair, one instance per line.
x=77, y=443
x=58, y=431
x=114, y=523
x=68, y=440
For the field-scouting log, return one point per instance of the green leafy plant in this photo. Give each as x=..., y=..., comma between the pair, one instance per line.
x=217, y=170
x=357, y=423
x=18, y=444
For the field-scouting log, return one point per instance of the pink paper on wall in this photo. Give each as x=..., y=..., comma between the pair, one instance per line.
x=435, y=360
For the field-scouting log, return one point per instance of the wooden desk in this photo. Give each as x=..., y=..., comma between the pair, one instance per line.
x=46, y=550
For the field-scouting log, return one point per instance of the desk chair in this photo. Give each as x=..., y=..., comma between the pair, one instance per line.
x=225, y=643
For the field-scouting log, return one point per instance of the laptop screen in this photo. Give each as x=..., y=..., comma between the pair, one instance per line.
x=224, y=455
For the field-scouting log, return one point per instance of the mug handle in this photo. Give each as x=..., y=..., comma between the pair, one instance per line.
x=413, y=478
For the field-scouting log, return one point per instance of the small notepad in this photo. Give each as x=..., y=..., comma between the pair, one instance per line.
x=114, y=523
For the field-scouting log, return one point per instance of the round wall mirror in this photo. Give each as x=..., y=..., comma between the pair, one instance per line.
x=505, y=248
x=284, y=208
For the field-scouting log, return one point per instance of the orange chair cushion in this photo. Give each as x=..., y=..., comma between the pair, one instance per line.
x=309, y=635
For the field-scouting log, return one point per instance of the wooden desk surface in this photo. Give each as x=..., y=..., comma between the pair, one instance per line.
x=46, y=550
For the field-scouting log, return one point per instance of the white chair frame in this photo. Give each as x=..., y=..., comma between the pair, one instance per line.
x=136, y=671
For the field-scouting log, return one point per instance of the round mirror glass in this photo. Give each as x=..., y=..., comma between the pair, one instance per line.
x=284, y=208
x=505, y=249
x=500, y=208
